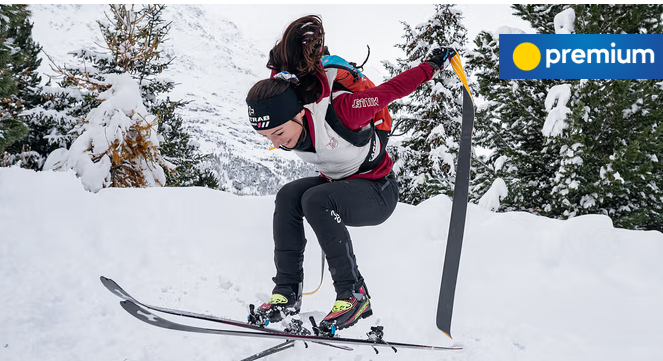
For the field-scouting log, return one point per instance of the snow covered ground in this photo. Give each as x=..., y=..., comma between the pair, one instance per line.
x=530, y=288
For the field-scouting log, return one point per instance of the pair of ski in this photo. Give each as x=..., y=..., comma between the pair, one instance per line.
x=142, y=312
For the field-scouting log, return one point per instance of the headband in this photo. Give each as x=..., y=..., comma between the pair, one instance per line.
x=275, y=111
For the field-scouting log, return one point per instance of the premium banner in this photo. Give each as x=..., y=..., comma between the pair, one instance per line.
x=581, y=56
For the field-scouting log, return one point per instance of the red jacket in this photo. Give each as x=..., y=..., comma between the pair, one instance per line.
x=356, y=110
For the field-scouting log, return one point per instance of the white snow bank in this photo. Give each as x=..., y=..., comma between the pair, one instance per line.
x=529, y=288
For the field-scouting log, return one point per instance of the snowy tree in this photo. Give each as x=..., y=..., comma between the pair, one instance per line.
x=117, y=142
x=509, y=124
x=429, y=119
x=177, y=147
x=152, y=133
x=12, y=76
x=571, y=147
x=45, y=130
x=145, y=31
x=611, y=141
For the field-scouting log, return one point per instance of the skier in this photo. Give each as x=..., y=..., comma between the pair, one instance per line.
x=297, y=111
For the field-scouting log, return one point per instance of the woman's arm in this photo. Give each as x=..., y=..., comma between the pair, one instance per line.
x=355, y=110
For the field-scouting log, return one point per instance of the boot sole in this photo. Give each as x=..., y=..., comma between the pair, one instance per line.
x=367, y=314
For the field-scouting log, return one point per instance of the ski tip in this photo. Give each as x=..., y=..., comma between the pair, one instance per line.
x=448, y=334
x=109, y=283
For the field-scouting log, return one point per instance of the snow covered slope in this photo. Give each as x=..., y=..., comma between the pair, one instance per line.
x=530, y=288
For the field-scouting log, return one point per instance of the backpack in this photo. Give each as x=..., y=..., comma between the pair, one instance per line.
x=349, y=78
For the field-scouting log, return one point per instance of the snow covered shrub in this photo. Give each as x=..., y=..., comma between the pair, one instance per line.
x=117, y=144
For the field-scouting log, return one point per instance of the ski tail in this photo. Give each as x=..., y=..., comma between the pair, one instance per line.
x=459, y=207
x=457, y=66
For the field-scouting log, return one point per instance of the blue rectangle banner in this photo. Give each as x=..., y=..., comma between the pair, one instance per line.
x=581, y=56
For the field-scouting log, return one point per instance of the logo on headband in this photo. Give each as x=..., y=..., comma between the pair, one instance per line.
x=251, y=111
x=259, y=122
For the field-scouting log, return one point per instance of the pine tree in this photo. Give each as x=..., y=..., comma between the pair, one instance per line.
x=33, y=149
x=572, y=147
x=132, y=43
x=511, y=121
x=12, y=127
x=117, y=142
x=145, y=61
x=610, y=148
x=178, y=148
x=426, y=156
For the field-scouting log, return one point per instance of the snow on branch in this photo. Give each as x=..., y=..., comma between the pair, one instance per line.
x=506, y=30
x=565, y=22
x=490, y=201
x=556, y=101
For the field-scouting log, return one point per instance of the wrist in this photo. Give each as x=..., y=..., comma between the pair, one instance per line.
x=434, y=66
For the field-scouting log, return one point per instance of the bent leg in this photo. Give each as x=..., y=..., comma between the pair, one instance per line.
x=329, y=207
x=288, y=230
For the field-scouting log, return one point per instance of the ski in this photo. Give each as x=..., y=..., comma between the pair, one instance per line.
x=272, y=350
x=115, y=289
x=148, y=317
x=459, y=207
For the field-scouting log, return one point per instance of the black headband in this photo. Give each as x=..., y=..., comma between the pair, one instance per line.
x=275, y=111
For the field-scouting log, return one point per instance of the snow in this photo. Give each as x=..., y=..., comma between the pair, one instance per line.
x=490, y=201
x=556, y=100
x=506, y=30
x=529, y=288
x=499, y=162
x=565, y=22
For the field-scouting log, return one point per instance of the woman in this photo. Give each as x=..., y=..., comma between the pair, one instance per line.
x=297, y=110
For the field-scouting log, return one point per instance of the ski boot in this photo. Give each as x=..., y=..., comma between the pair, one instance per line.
x=348, y=309
x=280, y=305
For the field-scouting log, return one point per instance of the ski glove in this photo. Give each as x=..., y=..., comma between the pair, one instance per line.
x=441, y=58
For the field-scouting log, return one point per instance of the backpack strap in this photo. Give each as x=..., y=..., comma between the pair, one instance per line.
x=335, y=61
x=377, y=150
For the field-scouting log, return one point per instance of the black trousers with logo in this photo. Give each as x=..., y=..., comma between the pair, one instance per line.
x=328, y=207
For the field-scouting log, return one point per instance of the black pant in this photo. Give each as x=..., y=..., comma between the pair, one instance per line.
x=328, y=208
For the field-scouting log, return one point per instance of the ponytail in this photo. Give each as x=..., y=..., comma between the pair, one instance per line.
x=299, y=52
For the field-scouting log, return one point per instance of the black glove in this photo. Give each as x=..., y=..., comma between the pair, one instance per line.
x=441, y=58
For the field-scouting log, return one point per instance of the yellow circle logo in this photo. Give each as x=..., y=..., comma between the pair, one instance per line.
x=526, y=56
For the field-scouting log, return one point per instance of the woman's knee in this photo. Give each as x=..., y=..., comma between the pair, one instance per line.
x=314, y=200
x=291, y=193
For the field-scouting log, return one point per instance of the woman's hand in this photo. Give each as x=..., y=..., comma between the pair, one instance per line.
x=441, y=58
